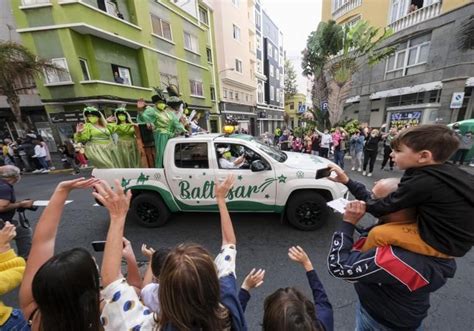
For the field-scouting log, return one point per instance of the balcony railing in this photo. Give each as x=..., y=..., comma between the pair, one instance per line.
x=346, y=7
x=417, y=16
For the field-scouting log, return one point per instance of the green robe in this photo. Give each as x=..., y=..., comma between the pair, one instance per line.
x=99, y=146
x=127, y=150
x=165, y=126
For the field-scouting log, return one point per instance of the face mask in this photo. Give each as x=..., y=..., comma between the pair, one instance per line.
x=122, y=118
x=92, y=119
x=227, y=155
x=161, y=106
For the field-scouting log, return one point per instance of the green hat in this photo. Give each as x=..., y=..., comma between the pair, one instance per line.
x=92, y=111
x=174, y=101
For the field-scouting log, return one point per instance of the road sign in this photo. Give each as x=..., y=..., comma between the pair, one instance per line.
x=324, y=106
x=457, y=100
x=301, y=109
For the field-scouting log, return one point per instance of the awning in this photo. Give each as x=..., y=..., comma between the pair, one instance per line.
x=407, y=90
x=353, y=99
x=470, y=81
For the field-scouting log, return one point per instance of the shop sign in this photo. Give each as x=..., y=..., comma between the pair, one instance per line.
x=457, y=100
x=400, y=119
x=72, y=117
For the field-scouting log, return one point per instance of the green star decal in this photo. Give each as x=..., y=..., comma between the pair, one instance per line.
x=282, y=179
x=240, y=177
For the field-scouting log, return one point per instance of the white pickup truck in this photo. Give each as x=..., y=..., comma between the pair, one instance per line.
x=268, y=181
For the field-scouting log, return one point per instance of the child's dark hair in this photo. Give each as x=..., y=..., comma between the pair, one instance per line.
x=158, y=259
x=440, y=140
x=289, y=309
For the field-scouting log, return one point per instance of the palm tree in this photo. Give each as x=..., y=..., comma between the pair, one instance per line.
x=17, y=62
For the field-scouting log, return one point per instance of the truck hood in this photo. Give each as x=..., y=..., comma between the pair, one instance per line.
x=305, y=161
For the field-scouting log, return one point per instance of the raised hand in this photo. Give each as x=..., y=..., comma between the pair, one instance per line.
x=355, y=210
x=127, y=251
x=221, y=189
x=79, y=127
x=116, y=201
x=297, y=254
x=254, y=279
x=147, y=251
x=78, y=183
x=341, y=176
x=111, y=119
x=6, y=235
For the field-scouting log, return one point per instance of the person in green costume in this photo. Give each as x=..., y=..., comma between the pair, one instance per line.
x=127, y=149
x=162, y=120
x=97, y=136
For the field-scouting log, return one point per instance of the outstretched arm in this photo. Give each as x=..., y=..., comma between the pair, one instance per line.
x=45, y=236
x=221, y=190
x=117, y=202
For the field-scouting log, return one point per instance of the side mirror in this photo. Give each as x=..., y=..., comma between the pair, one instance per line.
x=257, y=166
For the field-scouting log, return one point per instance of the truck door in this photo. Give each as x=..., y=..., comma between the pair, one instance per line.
x=190, y=176
x=253, y=190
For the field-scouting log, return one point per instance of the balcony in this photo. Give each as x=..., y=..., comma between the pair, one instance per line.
x=417, y=16
x=346, y=7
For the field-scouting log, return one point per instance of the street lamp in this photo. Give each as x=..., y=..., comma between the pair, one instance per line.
x=227, y=69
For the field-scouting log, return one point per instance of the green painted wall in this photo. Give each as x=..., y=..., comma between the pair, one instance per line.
x=82, y=42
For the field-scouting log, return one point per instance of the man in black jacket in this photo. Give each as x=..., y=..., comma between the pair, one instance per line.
x=393, y=284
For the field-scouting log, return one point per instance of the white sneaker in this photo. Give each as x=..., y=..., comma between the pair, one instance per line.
x=353, y=169
x=364, y=173
x=37, y=171
x=359, y=170
x=369, y=175
x=45, y=171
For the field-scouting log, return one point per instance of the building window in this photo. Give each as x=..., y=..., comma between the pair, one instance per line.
x=121, y=74
x=247, y=97
x=236, y=32
x=259, y=66
x=238, y=65
x=209, y=55
x=278, y=95
x=213, y=94
x=225, y=94
x=277, y=73
x=196, y=88
x=237, y=96
x=281, y=77
x=292, y=105
x=269, y=50
x=167, y=80
x=259, y=43
x=260, y=93
x=231, y=95
x=272, y=70
x=203, y=16
x=85, y=69
x=258, y=19
x=408, y=57
x=272, y=93
x=236, y=3
x=191, y=42
x=58, y=75
x=34, y=2
x=161, y=28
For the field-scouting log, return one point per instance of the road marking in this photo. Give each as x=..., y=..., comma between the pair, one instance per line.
x=44, y=203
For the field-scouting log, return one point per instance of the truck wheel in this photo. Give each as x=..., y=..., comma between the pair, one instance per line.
x=307, y=210
x=149, y=210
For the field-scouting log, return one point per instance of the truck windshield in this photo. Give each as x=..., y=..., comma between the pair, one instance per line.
x=271, y=151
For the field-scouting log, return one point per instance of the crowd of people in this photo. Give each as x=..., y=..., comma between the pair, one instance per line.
x=425, y=223
x=363, y=145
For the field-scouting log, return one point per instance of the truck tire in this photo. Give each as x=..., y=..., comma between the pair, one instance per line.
x=307, y=210
x=148, y=209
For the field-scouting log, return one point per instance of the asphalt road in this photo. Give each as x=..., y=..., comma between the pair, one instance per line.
x=263, y=242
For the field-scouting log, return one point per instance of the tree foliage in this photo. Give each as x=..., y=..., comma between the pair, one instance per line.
x=334, y=53
x=290, y=80
x=17, y=61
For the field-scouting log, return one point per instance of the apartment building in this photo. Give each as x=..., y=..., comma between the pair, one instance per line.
x=113, y=52
x=269, y=73
x=32, y=108
x=236, y=57
x=429, y=79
